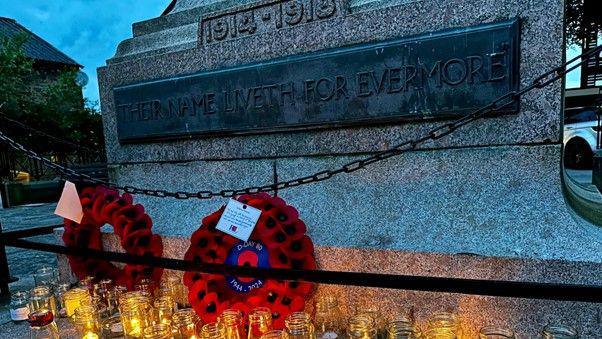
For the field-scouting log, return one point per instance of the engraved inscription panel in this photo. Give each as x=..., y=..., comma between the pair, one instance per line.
x=265, y=17
x=437, y=75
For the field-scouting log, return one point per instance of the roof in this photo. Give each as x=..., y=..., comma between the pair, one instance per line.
x=35, y=47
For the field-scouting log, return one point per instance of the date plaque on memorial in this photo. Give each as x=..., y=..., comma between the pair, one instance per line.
x=440, y=75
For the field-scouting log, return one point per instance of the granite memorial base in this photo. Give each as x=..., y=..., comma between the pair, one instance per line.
x=223, y=95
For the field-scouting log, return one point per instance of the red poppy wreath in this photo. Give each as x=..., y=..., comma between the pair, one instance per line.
x=130, y=223
x=278, y=241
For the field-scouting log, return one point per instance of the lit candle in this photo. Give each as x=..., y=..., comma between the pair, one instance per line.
x=136, y=327
x=90, y=335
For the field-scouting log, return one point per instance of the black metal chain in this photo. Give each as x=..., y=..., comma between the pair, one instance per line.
x=434, y=134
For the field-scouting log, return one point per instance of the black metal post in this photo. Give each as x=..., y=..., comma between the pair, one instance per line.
x=5, y=277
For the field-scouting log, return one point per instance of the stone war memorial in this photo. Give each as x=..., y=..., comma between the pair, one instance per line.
x=346, y=95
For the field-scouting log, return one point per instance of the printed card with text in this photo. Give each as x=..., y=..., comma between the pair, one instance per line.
x=238, y=220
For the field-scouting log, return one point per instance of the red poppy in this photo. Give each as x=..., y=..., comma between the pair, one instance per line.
x=286, y=214
x=191, y=277
x=300, y=248
x=299, y=288
x=112, y=207
x=266, y=226
x=87, y=203
x=210, y=221
x=201, y=239
x=279, y=259
x=242, y=307
x=140, y=238
x=278, y=239
x=132, y=212
x=294, y=302
x=296, y=229
x=279, y=314
x=143, y=222
x=88, y=192
x=209, y=307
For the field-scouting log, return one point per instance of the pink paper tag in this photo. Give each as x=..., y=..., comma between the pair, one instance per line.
x=69, y=206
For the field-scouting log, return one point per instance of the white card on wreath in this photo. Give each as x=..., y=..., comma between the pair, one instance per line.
x=238, y=220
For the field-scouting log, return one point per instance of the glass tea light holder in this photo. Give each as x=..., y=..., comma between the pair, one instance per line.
x=73, y=298
x=163, y=309
x=274, y=334
x=558, y=331
x=87, y=324
x=111, y=327
x=402, y=329
x=495, y=332
x=46, y=276
x=42, y=298
x=260, y=322
x=213, y=330
x=136, y=314
x=328, y=318
x=233, y=323
x=42, y=325
x=299, y=326
x=185, y=324
x=444, y=322
x=158, y=331
x=362, y=326
x=179, y=292
x=440, y=334
x=19, y=308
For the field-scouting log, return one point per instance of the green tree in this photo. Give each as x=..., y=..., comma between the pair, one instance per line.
x=55, y=109
x=582, y=17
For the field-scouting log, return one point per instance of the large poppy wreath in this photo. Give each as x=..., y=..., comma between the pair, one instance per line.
x=278, y=241
x=130, y=223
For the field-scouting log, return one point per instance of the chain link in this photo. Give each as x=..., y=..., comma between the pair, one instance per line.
x=432, y=135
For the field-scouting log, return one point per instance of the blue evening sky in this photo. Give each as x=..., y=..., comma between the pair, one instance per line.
x=86, y=30
x=89, y=30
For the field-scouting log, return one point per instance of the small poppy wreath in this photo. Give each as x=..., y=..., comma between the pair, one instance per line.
x=130, y=223
x=279, y=237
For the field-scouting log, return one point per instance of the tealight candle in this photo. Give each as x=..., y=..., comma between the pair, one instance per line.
x=74, y=298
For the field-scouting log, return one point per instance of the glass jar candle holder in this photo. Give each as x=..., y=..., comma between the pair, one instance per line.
x=59, y=293
x=299, y=326
x=178, y=291
x=158, y=331
x=274, y=334
x=213, y=330
x=111, y=328
x=42, y=298
x=557, y=331
x=163, y=309
x=445, y=322
x=185, y=324
x=495, y=332
x=233, y=323
x=362, y=326
x=73, y=298
x=136, y=314
x=260, y=322
x=402, y=329
x=87, y=324
x=19, y=308
x=328, y=319
x=440, y=334
x=42, y=325
x=46, y=276
x=146, y=287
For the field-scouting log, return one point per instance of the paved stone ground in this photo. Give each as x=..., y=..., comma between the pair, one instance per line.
x=23, y=263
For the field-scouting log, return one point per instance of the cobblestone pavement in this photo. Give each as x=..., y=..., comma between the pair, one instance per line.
x=23, y=263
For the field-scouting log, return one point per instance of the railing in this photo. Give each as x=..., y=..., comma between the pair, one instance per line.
x=495, y=288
